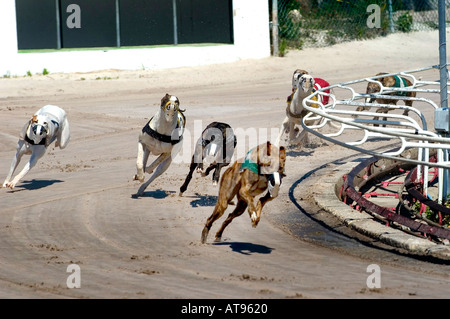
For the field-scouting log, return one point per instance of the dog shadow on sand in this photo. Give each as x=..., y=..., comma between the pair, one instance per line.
x=158, y=193
x=296, y=153
x=307, y=150
x=246, y=248
x=204, y=201
x=35, y=184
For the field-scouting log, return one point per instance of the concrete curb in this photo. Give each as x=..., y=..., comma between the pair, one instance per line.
x=362, y=222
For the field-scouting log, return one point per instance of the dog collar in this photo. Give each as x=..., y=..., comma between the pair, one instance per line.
x=166, y=138
x=304, y=112
x=29, y=140
x=160, y=137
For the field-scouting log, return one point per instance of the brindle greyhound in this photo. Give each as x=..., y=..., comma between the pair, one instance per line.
x=387, y=82
x=261, y=170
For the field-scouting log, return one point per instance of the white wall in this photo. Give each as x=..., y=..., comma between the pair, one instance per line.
x=251, y=40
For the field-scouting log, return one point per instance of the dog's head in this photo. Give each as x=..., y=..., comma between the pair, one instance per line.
x=37, y=129
x=170, y=106
x=271, y=159
x=295, y=77
x=272, y=162
x=306, y=83
x=373, y=87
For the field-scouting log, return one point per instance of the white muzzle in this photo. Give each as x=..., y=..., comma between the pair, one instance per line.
x=274, y=184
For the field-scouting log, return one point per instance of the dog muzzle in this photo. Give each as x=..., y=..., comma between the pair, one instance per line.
x=274, y=184
x=211, y=153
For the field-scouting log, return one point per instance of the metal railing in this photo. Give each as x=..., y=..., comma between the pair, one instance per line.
x=357, y=129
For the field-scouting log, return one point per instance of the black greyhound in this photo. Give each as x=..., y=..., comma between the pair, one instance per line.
x=215, y=147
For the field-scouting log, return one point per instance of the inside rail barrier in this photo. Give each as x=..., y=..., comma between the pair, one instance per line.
x=339, y=121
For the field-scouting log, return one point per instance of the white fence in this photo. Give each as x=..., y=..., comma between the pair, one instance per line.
x=339, y=121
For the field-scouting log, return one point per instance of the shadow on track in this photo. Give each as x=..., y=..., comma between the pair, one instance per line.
x=246, y=248
x=35, y=184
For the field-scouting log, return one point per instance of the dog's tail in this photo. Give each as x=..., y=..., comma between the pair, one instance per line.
x=64, y=134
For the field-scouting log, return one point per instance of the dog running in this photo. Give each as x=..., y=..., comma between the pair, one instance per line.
x=262, y=169
x=303, y=85
x=215, y=147
x=387, y=82
x=162, y=137
x=47, y=125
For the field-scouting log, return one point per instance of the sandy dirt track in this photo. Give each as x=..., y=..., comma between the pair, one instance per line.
x=76, y=205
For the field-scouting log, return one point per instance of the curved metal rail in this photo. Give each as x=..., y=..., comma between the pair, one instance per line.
x=365, y=173
x=339, y=122
x=355, y=129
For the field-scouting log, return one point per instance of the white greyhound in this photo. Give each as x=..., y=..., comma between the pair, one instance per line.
x=295, y=110
x=161, y=137
x=47, y=125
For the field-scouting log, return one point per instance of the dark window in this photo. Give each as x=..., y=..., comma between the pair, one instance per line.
x=36, y=24
x=203, y=21
x=97, y=25
x=53, y=24
x=146, y=22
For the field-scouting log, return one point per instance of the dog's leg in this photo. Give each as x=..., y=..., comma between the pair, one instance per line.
x=291, y=132
x=376, y=118
x=238, y=211
x=209, y=169
x=165, y=160
x=229, y=186
x=408, y=103
x=283, y=128
x=259, y=206
x=216, y=175
x=302, y=138
x=383, y=111
x=219, y=209
x=156, y=163
x=21, y=149
x=244, y=193
x=142, y=156
x=198, y=155
x=38, y=152
x=200, y=168
x=188, y=177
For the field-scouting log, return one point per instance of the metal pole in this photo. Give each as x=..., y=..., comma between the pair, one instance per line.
x=275, y=27
x=58, y=25
x=391, y=19
x=443, y=55
x=443, y=84
x=175, y=25
x=117, y=23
